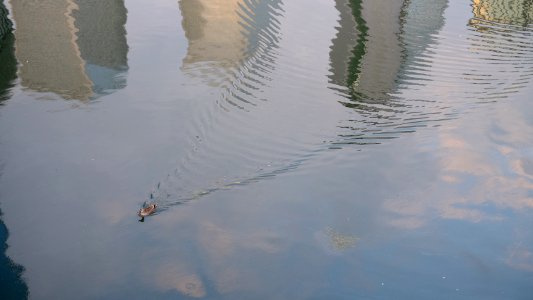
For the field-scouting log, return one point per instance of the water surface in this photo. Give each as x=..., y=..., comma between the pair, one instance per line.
x=297, y=149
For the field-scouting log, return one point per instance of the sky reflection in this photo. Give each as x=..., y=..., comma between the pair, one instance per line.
x=351, y=149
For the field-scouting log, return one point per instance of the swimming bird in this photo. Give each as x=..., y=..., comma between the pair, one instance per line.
x=146, y=210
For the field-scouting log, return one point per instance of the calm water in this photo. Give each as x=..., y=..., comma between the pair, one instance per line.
x=345, y=149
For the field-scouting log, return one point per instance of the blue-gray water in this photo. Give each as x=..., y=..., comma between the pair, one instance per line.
x=346, y=149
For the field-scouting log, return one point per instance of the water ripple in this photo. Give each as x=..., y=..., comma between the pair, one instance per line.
x=232, y=45
x=441, y=72
x=393, y=73
x=233, y=48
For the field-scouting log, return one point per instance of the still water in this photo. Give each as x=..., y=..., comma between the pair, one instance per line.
x=347, y=149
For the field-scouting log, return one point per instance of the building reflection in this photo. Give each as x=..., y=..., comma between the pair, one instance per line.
x=380, y=43
x=213, y=31
x=501, y=38
x=76, y=49
x=8, y=65
x=343, y=45
x=224, y=35
x=514, y=12
x=370, y=52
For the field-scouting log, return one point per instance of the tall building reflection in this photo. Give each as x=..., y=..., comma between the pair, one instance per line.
x=420, y=22
x=343, y=45
x=369, y=52
x=375, y=73
x=102, y=43
x=76, y=49
x=8, y=65
x=375, y=57
x=213, y=31
x=225, y=34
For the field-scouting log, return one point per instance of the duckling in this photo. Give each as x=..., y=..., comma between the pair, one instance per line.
x=146, y=211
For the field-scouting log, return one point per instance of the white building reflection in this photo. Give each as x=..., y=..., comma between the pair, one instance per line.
x=76, y=49
x=223, y=35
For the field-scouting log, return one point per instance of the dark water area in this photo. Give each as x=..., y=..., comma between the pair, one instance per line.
x=344, y=149
x=13, y=286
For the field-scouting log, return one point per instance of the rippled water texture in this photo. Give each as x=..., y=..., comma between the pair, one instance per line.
x=339, y=149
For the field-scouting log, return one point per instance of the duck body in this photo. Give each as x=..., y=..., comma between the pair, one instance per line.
x=147, y=210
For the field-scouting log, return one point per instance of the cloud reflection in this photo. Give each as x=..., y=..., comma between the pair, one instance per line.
x=476, y=175
x=469, y=182
x=171, y=277
x=519, y=257
x=218, y=263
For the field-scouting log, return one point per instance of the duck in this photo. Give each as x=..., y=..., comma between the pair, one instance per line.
x=146, y=210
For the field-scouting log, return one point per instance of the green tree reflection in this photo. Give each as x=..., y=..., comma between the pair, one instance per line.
x=8, y=62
